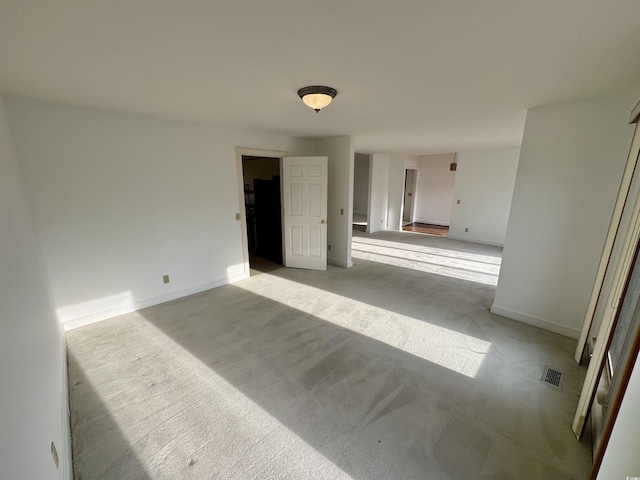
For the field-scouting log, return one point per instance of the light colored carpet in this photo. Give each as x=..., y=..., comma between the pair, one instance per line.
x=380, y=371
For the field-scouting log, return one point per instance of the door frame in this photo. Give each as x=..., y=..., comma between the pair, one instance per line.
x=606, y=259
x=622, y=270
x=251, y=152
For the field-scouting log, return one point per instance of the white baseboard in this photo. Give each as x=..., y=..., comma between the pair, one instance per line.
x=431, y=222
x=536, y=322
x=476, y=240
x=340, y=263
x=149, y=302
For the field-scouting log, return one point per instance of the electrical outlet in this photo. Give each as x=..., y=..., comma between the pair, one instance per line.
x=329, y=247
x=466, y=229
x=458, y=202
x=381, y=221
x=342, y=211
x=238, y=215
x=165, y=279
x=54, y=454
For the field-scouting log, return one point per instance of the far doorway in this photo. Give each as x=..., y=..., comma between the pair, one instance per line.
x=262, y=202
x=409, y=223
x=361, y=179
x=409, y=196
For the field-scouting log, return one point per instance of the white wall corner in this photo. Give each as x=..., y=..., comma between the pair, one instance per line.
x=536, y=322
x=73, y=323
x=339, y=262
x=484, y=241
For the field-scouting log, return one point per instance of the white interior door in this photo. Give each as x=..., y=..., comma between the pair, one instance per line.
x=304, y=202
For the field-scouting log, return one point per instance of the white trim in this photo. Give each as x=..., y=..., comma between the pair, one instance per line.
x=536, y=322
x=149, y=302
x=66, y=458
x=623, y=271
x=607, y=251
x=476, y=240
x=430, y=222
x=339, y=263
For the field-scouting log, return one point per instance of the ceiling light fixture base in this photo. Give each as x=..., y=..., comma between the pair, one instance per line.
x=317, y=96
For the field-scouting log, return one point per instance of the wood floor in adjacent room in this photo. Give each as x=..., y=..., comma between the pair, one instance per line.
x=392, y=369
x=427, y=228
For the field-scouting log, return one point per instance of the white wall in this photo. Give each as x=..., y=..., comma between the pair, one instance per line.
x=434, y=189
x=33, y=381
x=396, y=192
x=571, y=162
x=341, y=153
x=360, y=184
x=378, y=193
x=484, y=184
x=412, y=161
x=621, y=459
x=121, y=200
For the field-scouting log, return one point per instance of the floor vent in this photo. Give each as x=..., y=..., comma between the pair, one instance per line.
x=553, y=377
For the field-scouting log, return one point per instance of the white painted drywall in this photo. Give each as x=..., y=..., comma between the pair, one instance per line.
x=412, y=161
x=341, y=155
x=121, y=200
x=621, y=459
x=378, y=193
x=33, y=382
x=396, y=192
x=360, y=184
x=571, y=163
x=484, y=185
x=434, y=190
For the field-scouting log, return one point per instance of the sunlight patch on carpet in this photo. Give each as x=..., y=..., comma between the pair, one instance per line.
x=441, y=346
x=472, y=267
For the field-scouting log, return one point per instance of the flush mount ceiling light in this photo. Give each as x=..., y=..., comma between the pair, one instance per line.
x=317, y=97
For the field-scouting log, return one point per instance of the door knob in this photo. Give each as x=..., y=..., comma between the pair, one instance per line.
x=323, y=222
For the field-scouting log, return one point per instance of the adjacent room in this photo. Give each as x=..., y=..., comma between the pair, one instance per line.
x=298, y=240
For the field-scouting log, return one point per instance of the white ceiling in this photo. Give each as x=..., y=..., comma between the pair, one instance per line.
x=412, y=76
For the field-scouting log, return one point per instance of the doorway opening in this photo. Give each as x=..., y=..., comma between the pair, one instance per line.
x=408, y=200
x=361, y=178
x=263, y=211
x=412, y=222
